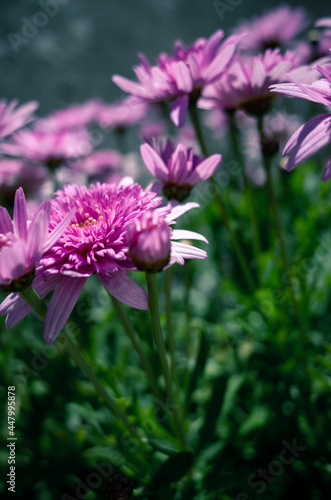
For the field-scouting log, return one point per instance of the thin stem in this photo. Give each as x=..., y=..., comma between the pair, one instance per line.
x=31, y=297
x=136, y=344
x=159, y=341
x=234, y=132
x=223, y=211
x=283, y=251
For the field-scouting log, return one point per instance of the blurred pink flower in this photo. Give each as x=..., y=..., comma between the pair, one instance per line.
x=272, y=29
x=99, y=165
x=46, y=147
x=246, y=84
x=95, y=242
x=123, y=114
x=72, y=117
x=18, y=173
x=178, y=168
x=12, y=119
x=22, y=244
x=315, y=134
x=180, y=77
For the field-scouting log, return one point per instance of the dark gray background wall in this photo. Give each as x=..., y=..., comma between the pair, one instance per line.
x=83, y=42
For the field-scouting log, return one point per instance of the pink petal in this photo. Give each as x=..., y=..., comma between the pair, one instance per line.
x=326, y=174
x=154, y=162
x=37, y=235
x=184, y=234
x=61, y=306
x=324, y=22
x=183, y=77
x=20, y=215
x=179, y=210
x=130, y=87
x=125, y=289
x=220, y=62
x=308, y=139
x=179, y=109
x=6, y=225
x=205, y=169
x=13, y=262
x=59, y=230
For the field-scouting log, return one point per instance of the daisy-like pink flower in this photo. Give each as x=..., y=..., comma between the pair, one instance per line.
x=180, y=77
x=315, y=134
x=273, y=29
x=13, y=117
x=48, y=148
x=246, y=84
x=77, y=116
x=22, y=244
x=123, y=114
x=99, y=166
x=178, y=169
x=95, y=242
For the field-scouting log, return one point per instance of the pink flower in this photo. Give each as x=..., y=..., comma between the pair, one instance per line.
x=149, y=242
x=15, y=173
x=50, y=148
x=95, y=242
x=315, y=134
x=178, y=168
x=181, y=77
x=99, y=165
x=77, y=116
x=22, y=244
x=273, y=29
x=120, y=115
x=12, y=119
x=246, y=84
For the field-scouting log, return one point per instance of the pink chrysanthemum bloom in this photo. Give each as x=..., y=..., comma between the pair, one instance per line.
x=149, y=242
x=178, y=168
x=12, y=119
x=22, y=244
x=273, y=29
x=120, y=115
x=17, y=173
x=48, y=148
x=246, y=84
x=315, y=134
x=77, y=116
x=180, y=77
x=95, y=242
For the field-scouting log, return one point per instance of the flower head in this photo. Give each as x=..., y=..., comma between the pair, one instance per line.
x=246, y=84
x=178, y=168
x=15, y=173
x=47, y=147
x=273, y=29
x=95, y=242
x=77, y=116
x=121, y=115
x=12, y=119
x=180, y=77
x=315, y=134
x=149, y=242
x=22, y=244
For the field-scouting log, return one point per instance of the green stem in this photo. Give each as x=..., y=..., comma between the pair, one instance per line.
x=234, y=132
x=159, y=341
x=31, y=297
x=224, y=213
x=136, y=344
x=274, y=204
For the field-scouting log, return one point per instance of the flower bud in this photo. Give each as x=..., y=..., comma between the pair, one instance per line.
x=149, y=242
